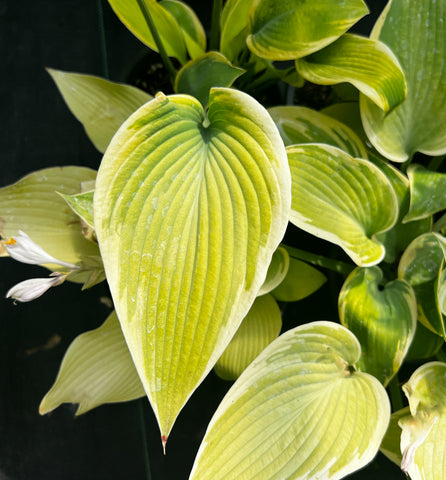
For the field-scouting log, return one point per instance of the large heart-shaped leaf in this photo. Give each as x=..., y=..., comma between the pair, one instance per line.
x=188, y=212
x=300, y=410
x=100, y=105
x=367, y=64
x=342, y=199
x=97, y=368
x=291, y=29
x=415, y=31
x=382, y=316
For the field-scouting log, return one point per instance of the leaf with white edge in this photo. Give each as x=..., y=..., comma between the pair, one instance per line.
x=277, y=271
x=415, y=31
x=259, y=328
x=420, y=265
x=96, y=369
x=100, y=105
x=303, y=125
x=291, y=29
x=427, y=192
x=82, y=205
x=367, y=64
x=300, y=281
x=188, y=213
x=169, y=30
x=234, y=27
x=191, y=27
x=199, y=75
x=423, y=438
x=390, y=445
x=383, y=317
x=33, y=206
x=344, y=200
x=300, y=410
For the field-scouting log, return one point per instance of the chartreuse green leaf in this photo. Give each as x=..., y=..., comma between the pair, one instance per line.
x=383, y=317
x=82, y=205
x=423, y=437
x=259, y=328
x=291, y=29
x=189, y=210
x=304, y=125
x=96, y=369
x=300, y=410
x=415, y=31
x=191, y=27
x=234, y=27
x=427, y=192
x=367, y=64
x=390, y=445
x=277, y=271
x=300, y=281
x=100, y=105
x=198, y=76
x=169, y=30
x=33, y=206
x=420, y=265
x=344, y=200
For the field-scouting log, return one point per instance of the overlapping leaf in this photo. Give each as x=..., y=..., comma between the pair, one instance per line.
x=298, y=411
x=277, y=271
x=188, y=212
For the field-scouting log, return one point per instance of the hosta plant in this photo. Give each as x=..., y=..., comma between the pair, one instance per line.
x=201, y=217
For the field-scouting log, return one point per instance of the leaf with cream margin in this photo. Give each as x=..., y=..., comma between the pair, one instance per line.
x=416, y=33
x=100, y=105
x=367, y=64
x=390, y=445
x=423, y=438
x=259, y=328
x=383, y=317
x=96, y=369
x=303, y=125
x=291, y=29
x=344, y=200
x=300, y=410
x=188, y=212
x=33, y=206
x=277, y=271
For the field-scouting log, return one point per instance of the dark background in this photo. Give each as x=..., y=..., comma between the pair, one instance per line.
x=38, y=131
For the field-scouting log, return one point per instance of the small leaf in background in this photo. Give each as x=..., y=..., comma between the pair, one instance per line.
x=303, y=125
x=100, y=105
x=259, y=328
x=298, y=411
x=425, y=344
x=188, y=213
x=300, y=281
x=82, y=205
x=367, y=64
x=423, y=438
x=344, y=200
x=427, y=192
x=277, y=271
x=420, y=265
x=234, y=27
x=415, y=31
x=383, y=317
x=390, y=445
x=97, y=368
x=33, y=206
x=198, y=76
x=292, y=29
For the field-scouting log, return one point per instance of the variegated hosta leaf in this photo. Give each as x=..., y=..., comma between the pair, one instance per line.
x=383, y=318
x=304, y=125
x=420, y=265
x=100, y=105
x=344, y=200
x=188, y=213
x=367, y=64
x=348, y=114
x=427, y=192
x=33, y=206
x=300, y=281
x=300, y=410
x=415, y=31
x=259, y=328
x=423, y=438
x=234, y=27
x=82, y=205
x=291, y=29
x=97, y=368
x=277, y=271
x=390, y=445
